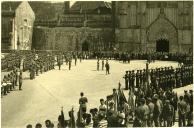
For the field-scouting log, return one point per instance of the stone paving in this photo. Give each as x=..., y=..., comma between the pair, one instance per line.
x=43, y=97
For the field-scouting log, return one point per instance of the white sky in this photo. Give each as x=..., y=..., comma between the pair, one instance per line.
x=72, y=1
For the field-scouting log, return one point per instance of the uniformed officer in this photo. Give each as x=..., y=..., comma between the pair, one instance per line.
x=107, y=66
x=102, y=64
x=70, y=64
x=4, y=84
x=37, y=67
x=20, y=81
x=130, y=80
x=133, y=80
x=9, y=84
x=144, y=77
x=12, y=80
x=126, y=77
x=137, y=79
x=141, y=78
x=75, y=59
x=31, y=71
x=98, y=65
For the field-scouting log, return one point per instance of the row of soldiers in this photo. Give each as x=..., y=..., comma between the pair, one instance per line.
x=127, y=56
x=43, y=63
x=11, y=80
x=166, y=77
x=169, y=77
x=14, y=58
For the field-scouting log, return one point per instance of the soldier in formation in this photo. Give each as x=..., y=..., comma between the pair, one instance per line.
x=98, y=64
x=10, y=81
x=107, y=66
x=102, y=64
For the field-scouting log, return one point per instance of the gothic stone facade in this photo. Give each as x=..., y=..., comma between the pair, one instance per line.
x=17, y=27
x=144, y=26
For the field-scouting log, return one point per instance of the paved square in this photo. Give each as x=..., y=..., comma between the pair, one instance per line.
x=43, y=97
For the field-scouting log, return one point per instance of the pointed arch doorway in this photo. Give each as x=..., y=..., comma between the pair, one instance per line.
x=85, y=46
x=162, y=45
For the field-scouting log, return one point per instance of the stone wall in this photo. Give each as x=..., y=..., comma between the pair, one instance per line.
x=70, y=38
x=24, y=21
x=139, y=24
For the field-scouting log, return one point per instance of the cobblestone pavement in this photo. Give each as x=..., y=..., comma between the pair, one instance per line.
x=43, y=97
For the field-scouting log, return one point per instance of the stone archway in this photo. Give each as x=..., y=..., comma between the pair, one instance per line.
x=162, y=28
x=85, y=46
x=162, y=45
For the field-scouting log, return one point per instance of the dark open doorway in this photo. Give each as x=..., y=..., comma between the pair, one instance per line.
x=162, y=45
x=85, y=46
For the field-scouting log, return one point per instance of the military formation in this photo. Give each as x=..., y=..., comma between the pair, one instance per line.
x=14, y=58
x=151, y=100
x=165, y=78
x=11, y=80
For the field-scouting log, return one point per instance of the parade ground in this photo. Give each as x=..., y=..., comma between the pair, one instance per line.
x=42, y=98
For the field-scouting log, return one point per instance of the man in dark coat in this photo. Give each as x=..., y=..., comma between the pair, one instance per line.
x=126, y=80
x=107, y=66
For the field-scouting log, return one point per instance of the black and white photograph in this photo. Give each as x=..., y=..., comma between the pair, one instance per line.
x=96, y=64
